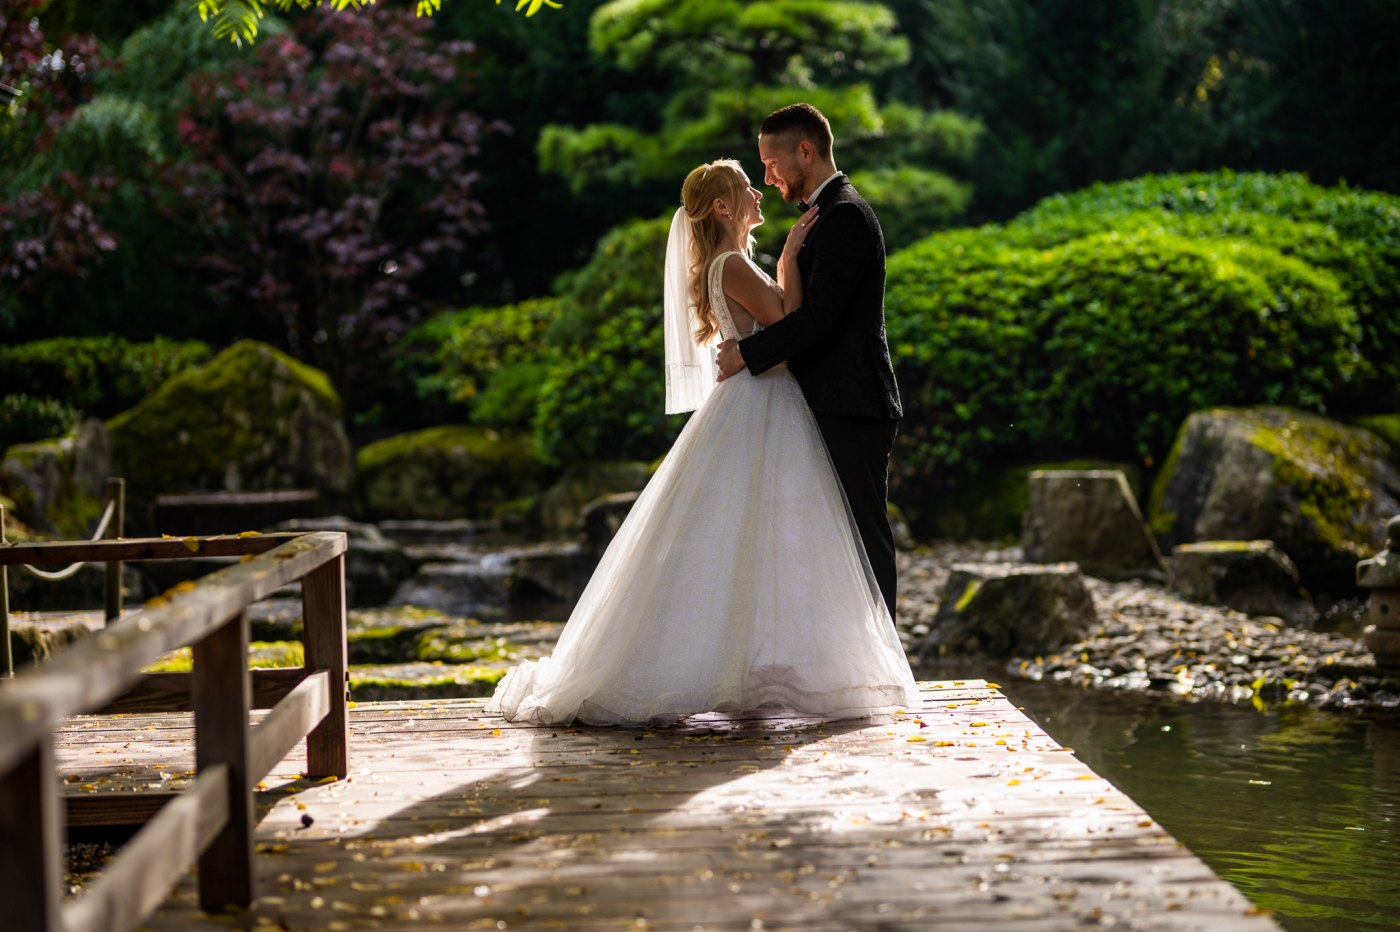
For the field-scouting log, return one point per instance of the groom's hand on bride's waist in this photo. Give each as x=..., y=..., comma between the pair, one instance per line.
x=729, y=360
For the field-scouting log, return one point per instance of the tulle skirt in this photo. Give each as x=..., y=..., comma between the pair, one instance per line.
x=737, y=582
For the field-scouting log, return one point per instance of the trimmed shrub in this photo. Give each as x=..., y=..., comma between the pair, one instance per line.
x=488, y=361
x=24, y=419
x=911, y=202
x=627, y=270
x=604, y=399
x=1363, y=215
x=101, y=376
x=1368, y=267
x=1102, y=344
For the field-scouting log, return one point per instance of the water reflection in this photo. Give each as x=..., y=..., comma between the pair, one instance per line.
x=1296, y=806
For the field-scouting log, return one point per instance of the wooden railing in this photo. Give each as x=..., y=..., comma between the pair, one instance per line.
x=212, y=821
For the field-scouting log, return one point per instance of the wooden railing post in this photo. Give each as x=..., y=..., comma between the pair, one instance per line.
x=112, y=572
x=7, y=657
x=323, y=637
x=221, y=693
x=31, y=865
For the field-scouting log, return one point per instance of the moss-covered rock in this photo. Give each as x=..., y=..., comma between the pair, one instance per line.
x=252, y=419
x=35, y=643
x=560, y=507
x=1320, y=490
x=59, y=485
x=453, y=471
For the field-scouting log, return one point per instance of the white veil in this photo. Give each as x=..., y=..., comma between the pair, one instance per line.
x=690, y=367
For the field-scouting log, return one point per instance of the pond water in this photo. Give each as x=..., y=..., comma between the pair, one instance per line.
x=1298, y=808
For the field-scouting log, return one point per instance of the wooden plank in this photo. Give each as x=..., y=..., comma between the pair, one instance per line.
x=96, y=670
x=31, y=869
x=154, y=859
x=289, y=721
x=170, y=692
x=141, y=548
x=324, y=639
x=98, y=809
x=222, y=688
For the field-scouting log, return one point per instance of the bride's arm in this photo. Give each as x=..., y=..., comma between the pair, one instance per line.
x=753, y=291
x=767, y=301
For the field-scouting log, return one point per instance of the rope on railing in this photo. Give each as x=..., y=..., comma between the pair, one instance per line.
x=65, y=573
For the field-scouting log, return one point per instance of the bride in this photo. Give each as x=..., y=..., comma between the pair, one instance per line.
x=738, y=580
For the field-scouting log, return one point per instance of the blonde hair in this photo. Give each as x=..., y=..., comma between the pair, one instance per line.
x=721, y=178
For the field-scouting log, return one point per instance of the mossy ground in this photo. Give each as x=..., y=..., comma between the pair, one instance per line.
x=261, y=654
x=407, y=652
x=371, y=683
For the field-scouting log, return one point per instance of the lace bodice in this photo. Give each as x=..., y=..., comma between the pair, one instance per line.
x=723, y=317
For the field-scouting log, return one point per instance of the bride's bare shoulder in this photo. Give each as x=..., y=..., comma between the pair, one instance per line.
x=740, y=269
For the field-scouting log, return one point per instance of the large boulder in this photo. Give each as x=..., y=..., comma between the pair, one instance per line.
x=560, y=507
x=1320, y=490
x=1089, y=517
x=253, y=419
x=1000, y=610
x=448, y=472
x=60, y=486
x=1250, y=576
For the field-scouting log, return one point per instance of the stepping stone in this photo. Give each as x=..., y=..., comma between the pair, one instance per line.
x=1250, y=576
x=1000, y=610
x=1089, y=517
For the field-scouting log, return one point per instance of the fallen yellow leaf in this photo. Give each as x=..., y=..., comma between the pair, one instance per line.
x=191, y=544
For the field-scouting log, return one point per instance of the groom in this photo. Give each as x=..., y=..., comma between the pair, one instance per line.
x=835, y=342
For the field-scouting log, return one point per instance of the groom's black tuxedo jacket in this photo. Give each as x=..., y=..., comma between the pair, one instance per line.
x=835, y=342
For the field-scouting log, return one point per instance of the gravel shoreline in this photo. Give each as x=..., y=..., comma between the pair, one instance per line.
x=1148, y=640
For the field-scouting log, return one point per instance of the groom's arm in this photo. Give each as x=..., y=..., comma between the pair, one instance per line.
x=842, y=256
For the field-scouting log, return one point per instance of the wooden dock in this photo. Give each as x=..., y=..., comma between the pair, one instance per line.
x=956, y=814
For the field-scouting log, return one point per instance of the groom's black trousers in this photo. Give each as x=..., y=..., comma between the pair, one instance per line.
x=860, y=450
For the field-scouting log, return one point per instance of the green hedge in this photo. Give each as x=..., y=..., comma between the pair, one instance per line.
x=101, y=376
x=485, y=362
x=1353, y=234
x=1103, y=344
x=24, y=419
x=604, y=399
x=1363, y=215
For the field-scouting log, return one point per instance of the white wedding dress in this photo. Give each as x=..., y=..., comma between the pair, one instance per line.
x=738, y=581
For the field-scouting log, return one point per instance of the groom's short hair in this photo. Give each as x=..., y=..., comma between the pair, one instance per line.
x=799, y=122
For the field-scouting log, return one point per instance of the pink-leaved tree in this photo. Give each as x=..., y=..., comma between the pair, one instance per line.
x=49, y=228
x=333, y=178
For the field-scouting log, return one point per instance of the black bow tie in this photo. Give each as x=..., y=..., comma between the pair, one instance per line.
x=803, y=206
